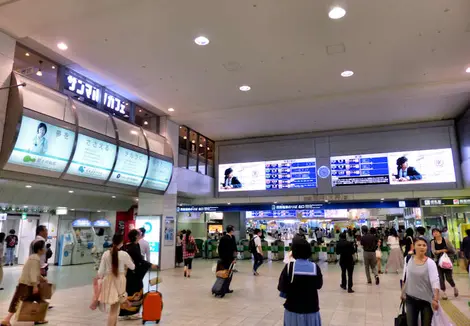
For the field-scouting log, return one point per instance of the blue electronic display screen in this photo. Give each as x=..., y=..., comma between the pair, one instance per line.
x=359, y=170
x=289, y=213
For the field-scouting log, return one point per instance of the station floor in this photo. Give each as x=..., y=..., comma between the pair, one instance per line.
x=255, y=301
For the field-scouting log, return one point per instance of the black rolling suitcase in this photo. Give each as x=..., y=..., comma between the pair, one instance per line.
x=222, y=281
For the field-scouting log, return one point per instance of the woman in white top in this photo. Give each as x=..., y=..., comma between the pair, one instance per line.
x=113, y=272
x=395, y=259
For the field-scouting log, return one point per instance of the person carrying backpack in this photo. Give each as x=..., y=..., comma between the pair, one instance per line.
x=189, y=251
x=257, y=251
x=11, y=242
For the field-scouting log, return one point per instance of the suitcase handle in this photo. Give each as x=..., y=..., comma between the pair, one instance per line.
x=150, y=278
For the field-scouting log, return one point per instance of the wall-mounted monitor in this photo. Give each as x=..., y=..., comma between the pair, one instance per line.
x=398, y=168
x=268, y=175
x=130, y=167
x=93, y=158
x=158, y=175
x=41, y=145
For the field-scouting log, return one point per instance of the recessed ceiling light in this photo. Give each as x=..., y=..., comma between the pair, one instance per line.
x=468, y=70
x=146, y=123
x=53, y=67
x=71, y=191
x=113, y=196
x=27, y=54
x=337, y=13
x=25, y=206
x=208, y=148
x=193, y=141
x=28, y=186
x=201, y=40
x=326, y=200
x=201, y=145
x=347, y=73
x=72, y=209
x=382, y=199
x=99, y=211
x=137, y=199
x=39, y=73
x=245, y=88
x=140, y=111
x=185, y=137
x=275, y=202
x=171, y=109
x=62, y=46
x=228, y=203
x=134, y=132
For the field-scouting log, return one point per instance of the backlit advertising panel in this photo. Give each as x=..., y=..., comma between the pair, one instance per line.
x=130, y=167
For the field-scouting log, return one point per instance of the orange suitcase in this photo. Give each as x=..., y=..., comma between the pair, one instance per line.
x=152, y=305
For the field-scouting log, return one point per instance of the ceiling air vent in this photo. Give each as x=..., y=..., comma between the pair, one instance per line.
x=232, y=66
x=335, y=49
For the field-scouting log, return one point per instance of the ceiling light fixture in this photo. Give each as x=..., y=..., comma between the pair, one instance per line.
x=228, y=203
x=98, y=211
x=326, y=200
x=337, y=13
x=201, y=145
x=53, y=67
x=113, y=197
x=185, y=137
x=137, y=199
x=275, y=202
x=27, y=54
x=347, y=73
x=468, y=70
x=171, y=109
x=28, y=186
x=193, y=141
x=134, y=132
x=245, y=88
x=71, y=191
x=146, y=123
x=201, y=40
x=382, y=199
x=140, y=111
x=25, y=206
x=62, y=46
x=208, y=148
x=39, y=72
x=72, y=209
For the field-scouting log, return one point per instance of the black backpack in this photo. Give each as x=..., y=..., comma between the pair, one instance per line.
x=252, y=246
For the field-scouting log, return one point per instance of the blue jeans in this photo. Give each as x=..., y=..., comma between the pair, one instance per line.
x=10, y=256
x=258, y=261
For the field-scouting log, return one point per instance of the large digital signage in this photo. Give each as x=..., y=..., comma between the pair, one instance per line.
x=93, y=158
x=43, y=146
x=399, y=168
x=268, y=175
x=158, y=174
x=130, y=167
x=152, y=226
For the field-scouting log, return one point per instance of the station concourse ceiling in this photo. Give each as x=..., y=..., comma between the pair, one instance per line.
x=409, y=59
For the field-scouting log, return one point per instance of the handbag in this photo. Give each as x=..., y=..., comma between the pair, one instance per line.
x=122, y=297
x=400, y=320
x=445, y=262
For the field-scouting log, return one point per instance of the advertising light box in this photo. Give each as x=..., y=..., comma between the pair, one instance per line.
x=93, y=158
x=158, y=174
x=399, y=168
x=152, y=225
x=268, y=175
x=42, y=146
x=130, y=167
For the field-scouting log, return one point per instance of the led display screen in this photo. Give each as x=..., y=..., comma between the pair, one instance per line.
x=399, y=168
x=313, y=213
x=130, y=167
x=152, y=226
x=158, y=174
x=43, y=146
x=93, y=158
x=268, y=175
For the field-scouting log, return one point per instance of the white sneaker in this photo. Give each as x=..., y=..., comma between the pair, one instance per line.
x=443, y=296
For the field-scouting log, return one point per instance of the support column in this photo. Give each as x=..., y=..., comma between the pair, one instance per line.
x=7, y=53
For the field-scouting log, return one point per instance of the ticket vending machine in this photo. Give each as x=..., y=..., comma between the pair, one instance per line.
x=65, y=249
x=82, y=232
x=108, y=233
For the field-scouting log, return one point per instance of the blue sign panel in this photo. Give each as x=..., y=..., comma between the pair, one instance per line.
x=158, y=175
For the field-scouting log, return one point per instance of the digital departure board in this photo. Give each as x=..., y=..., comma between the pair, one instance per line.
x=398, y=168
x=286, y=214
x=268, y=175
x=359, y=170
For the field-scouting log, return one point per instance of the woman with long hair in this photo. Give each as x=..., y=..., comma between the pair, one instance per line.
x=189, y=251
x=135, y=278
x=408, y=242
x=114, y=263
x=421, y=289
x=395, y=259
x=179, y=248
x=439, y=246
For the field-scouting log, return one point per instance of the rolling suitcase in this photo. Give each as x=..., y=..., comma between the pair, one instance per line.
x=152, y=306
x=222, y=284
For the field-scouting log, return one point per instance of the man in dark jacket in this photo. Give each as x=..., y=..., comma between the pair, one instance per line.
x=227, y=250
x=346, y=251
x=369, y=243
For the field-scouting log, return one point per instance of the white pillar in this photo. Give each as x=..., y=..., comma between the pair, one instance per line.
x=7, y=53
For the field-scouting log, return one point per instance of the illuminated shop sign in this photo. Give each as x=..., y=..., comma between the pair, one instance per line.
x=95, y=95
x=445, y=202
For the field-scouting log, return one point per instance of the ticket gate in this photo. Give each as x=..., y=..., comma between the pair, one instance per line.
x=277, y=250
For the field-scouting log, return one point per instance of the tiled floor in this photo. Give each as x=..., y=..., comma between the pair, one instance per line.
x=254, y=302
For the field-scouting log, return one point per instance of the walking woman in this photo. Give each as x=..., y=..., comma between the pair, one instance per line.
x=114, y=263
x=421, y=289
x=189, y=251
x=395, y=259
x=439, y=246
x=299, y=284
x=28, y=285
x=135, y=278
x=408, y=242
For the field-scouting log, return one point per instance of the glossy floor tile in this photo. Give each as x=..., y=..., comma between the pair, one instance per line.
x=255, y=301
